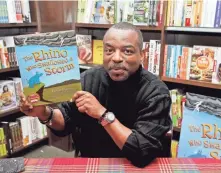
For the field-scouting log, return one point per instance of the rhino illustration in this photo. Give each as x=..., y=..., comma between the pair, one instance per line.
x=197, y=155
x=34, y=80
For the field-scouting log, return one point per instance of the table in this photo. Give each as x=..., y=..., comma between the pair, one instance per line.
x=118, y=165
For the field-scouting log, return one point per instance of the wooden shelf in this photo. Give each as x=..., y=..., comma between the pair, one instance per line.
x=9, y=112
x=3, y=70
x=33, y=143
x=2, y=157
x=191, y=82
x=176, y=129
x=106, y=26
x=87, y=66
x=17, y=25
x=193, y=29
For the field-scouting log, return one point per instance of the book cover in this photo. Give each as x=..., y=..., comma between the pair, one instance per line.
x=98, y=52
x=8, y=136
x=200, y=134
x=216, y=78
x=128, y=11
x=104, y=12
x=141, y=12
x=202, y=63
x=26, y=16
x=84, y=44
x=7, y=96
x=48, y=65
x=146, y=46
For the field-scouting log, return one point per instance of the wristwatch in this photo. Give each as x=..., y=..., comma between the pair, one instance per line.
x=48, y=121
x=107, y=118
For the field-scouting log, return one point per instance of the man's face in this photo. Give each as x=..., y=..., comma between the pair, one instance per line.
x=122, y=56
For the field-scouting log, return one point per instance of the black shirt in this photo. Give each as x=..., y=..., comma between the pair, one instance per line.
x=141, y=103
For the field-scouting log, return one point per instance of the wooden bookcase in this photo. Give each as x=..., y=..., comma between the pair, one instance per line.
x=46, y=16
x=169, y=35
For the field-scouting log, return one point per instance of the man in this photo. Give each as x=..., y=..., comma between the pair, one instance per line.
x=123, y=110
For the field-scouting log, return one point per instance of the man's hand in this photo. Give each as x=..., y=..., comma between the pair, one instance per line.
x=88, y=104
x=37, y=111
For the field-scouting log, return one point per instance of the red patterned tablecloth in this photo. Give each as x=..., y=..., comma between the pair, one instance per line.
x=117, y=165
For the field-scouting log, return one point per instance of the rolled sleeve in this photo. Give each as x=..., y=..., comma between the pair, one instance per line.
x=145, y=142
x=69, y=112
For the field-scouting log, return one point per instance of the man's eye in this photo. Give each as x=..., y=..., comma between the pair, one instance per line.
x=108, y=51
x=128, y=52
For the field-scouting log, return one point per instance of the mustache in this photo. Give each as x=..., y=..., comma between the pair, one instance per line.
x=117, y=66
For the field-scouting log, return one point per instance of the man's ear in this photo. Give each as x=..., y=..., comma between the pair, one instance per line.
x=142, y=53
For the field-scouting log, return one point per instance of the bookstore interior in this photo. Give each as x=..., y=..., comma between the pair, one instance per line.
x=46, y=45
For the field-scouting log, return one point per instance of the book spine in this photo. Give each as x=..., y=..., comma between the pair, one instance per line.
x=157, y=58
x=11, y=126
x=161, y=13
x=25, y=8
x=7, y=136
x=151, y=13
x=168, y=60
x=189, y=63
x=3, y=142
x=165, y=60
x=217, y=15
x=168, y=12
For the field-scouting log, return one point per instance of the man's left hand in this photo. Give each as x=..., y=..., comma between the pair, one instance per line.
x=88, y=104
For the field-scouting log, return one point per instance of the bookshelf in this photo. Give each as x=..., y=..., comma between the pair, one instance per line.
x=8, y=69
x=9, y=112
x=193, y=29
x=28, y=146
x=176, y=129
x=18, y=25
x=191, y=82
x=106, y=26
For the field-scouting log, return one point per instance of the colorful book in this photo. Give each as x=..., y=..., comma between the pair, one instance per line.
x=48, y=64
x=200, y=134
x=216, y=78
x=7, y=96
x=97, y=52
x=202, y=63
x=84, y=44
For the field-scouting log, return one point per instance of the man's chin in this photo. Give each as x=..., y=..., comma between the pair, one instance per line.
x=118, y=77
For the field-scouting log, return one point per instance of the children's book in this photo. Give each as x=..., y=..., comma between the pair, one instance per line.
x=7, y=96
x=49, y=68
x=84, y=44
x=201, y=127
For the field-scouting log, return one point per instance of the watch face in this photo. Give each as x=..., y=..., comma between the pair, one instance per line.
x=110, y=116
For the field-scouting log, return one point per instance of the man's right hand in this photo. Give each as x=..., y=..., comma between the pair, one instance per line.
x=35, y=111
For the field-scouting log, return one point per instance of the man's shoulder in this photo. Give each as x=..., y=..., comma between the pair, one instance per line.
x=153, y=82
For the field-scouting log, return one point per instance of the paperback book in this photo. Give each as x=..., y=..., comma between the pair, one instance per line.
x=201, y=127
x=49, y=68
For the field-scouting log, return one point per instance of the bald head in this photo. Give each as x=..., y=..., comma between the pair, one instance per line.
x=128, y=26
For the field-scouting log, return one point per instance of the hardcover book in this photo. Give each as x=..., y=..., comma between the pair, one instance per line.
x=201, y=127
x=202, y=63
x=48, y=64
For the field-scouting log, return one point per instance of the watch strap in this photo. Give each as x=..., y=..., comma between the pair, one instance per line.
x=49, y=118
x=102, y=116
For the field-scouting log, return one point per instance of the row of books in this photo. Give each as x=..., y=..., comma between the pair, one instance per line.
x=200, y=63
x=23, y=132
x=194, y=13
x=15, y=11
x=151, y=60
x=138, y=12
x=8, y=57
x=9, y=94
x=174, y=148
x=176, y=111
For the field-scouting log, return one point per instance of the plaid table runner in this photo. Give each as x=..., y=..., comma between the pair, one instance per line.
x=117, y=165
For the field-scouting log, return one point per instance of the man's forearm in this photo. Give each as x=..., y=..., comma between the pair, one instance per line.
x=57, y=120
x=118, y=132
